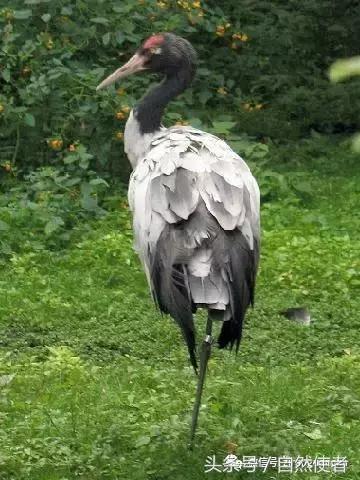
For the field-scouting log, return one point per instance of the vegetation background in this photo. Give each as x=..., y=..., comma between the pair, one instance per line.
x=93, y=384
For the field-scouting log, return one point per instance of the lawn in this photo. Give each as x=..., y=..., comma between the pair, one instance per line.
x=95, y=384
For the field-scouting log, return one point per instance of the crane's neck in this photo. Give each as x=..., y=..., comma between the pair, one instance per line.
x=145, y=120
x=151, y=107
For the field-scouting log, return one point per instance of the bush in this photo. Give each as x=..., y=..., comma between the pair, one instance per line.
x=263, y=63
x=41, y=211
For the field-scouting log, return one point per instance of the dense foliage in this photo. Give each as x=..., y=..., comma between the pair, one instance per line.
x=262, y=72
x=262, y=68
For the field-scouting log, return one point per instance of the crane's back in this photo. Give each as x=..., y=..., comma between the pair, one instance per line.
x=196, y=224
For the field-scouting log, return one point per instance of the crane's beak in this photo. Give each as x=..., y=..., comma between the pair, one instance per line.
x=135, y=64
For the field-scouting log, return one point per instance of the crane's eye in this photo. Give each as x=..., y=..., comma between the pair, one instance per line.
x=155, y=50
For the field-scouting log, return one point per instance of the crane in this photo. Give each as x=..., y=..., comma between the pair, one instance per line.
x=195, y=205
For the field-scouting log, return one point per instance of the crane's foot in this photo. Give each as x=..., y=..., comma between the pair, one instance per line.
x=204, y=358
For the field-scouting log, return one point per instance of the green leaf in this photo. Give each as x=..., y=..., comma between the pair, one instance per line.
x=315, y=434
x=204, y=96
x=29, y=119
x=303, y=187
x=3, y=226
x=6, y=379
x=72, y=181
x=106, y=38
x=66, y=10
x=84, y=161
x=98, y=181
x=124, y=8
x=120, y=37
x=223, y=127
x=46, y=17
x=88, y=200
x=89, y=203
x=356, y=143
x=22, y=14
x=5, y=248
x=100, y=20
x=52, y=225
x=342, y=69
x=141, y=441
x=239, y=145
x=6, y=75
x=70, y=158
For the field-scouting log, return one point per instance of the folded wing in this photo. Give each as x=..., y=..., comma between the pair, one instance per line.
x=196, y=221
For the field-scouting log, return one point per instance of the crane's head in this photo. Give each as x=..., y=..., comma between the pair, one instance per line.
x=163, y=53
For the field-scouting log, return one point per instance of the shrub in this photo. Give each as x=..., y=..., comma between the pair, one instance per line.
x=263, y=63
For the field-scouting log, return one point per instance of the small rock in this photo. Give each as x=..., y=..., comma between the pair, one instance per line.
x=297, y=314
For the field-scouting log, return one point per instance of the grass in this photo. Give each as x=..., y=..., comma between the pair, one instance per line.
x=96, y=384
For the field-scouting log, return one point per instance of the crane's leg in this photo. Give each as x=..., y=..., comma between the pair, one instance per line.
x=204, y=357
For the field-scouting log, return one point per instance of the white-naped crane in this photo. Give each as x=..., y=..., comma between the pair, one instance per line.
x=195, y=207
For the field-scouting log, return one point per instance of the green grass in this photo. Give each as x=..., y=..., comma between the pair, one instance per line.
x=96, y=384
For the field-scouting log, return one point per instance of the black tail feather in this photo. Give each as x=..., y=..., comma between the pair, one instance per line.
x=229, y=333
x=231, y=255
x=170, y=290
x=241, y=269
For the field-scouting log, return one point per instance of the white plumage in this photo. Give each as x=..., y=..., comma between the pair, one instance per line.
x=179, y=170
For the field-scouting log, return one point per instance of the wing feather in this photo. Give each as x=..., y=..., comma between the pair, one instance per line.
x=191, y=195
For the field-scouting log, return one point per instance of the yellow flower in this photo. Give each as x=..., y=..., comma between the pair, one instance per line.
x=126, y=109
x=49, y=44
x=196, y=4
x=6, y=166
x=56, y=143
x=161, y=4
x=121, y=91
x=9, y=14
x=222, y=91
x=220, y=30
x=2, y=108
x=240, y=36
x=25, y=71
x=247, y=106
x=259, y=106
x=72, y=147
x=119, y=135
x=231, y=447
x=120, y=115
x=183, y=4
